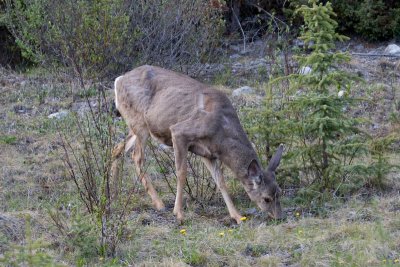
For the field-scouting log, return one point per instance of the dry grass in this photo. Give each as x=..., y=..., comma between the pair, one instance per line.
x=362, y=232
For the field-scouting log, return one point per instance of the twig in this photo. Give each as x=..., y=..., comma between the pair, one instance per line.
x=241, y=29
x=270, y=15
x=374, y=55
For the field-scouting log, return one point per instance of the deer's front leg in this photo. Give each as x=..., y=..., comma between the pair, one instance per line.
x=215, y=169
x=180, y=151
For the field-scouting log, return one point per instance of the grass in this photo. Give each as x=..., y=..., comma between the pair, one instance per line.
x=345, y=237
x=364, y=231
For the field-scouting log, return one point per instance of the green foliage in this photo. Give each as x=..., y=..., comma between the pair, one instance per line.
x=374, y=20
x=193, y=257
x=32, y=253
x=86, y=37
x=103, y=199
x=8, y=139
x=102, y=38
x=380, y=168
x=82, y=238
x=327, y=139
x=371, y=19
x=328, y=153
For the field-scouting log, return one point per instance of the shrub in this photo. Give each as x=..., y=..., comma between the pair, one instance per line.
x=103, y=199
x=374, y=20
x=371, y=19
x=328, y=153
x=88, y=38
x=199, y=185
x=31, y=253
x=326, y=139
x=98, y=39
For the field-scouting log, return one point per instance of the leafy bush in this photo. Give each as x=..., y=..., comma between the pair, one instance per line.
x=88, y=38
x=371, y=19
x=377, y=20
x=374, y=20
x=98, y=39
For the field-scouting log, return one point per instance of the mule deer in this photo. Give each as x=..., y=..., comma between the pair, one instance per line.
x=181, y=112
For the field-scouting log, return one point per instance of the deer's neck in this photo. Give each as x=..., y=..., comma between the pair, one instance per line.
x=237, y=156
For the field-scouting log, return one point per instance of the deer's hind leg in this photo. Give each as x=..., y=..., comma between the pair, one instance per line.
x=138, y=157
x=117, y=153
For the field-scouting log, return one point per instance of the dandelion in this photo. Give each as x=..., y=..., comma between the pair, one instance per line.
x=221, y=234
x=396, y=261
x=243, y=218
x=183, y=231
x=384, y=261
x=297, y=214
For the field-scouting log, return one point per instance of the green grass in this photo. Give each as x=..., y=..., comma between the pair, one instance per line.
x=343, y=238
x=364, y=231
x=8, y=139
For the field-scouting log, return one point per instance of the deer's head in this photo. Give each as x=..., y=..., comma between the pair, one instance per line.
x=262, y=187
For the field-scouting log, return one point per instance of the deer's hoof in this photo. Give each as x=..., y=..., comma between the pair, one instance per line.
x=180, y=221
x=179, y=218
x=159, y=206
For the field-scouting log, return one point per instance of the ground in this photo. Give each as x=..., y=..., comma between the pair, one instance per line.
x=364, y=231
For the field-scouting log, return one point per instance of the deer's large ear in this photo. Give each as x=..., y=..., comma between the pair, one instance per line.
x=276, y=159
x=254, y=171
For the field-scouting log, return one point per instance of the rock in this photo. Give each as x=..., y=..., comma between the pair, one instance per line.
x=305, y=70
x=245, y=52
x=234, y=56
x=58, y=115
x=20, y=109
x=258, y=63
x=245, y=90
x=392, y=49
x=359, y=48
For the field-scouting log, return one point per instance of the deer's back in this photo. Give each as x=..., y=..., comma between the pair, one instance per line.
x=161, y=98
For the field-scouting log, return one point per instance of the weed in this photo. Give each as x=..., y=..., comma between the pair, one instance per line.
x=8, y=139
x=32, y=253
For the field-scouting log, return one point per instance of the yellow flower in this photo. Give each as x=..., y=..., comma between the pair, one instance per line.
x=230, y=231
x=396, y=260
x=183, y=231
x=221, y=234
x=384, y=261
x=101, y=258
x=300, y=231
x=297, y=214
x=243, y=218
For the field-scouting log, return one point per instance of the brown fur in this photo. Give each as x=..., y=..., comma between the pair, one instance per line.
x=190, y=116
